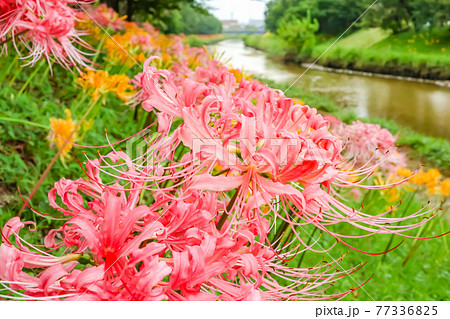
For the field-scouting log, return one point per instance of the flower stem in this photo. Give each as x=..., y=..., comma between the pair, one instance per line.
x=55, y=158
x=12, y=37
x=403, y=214
x=135, y=116
x=30, y=78
x=149, y=119
x=309, y=242
x=11, y=65
x=416, y=243
x=230, y=205
x=98, y=49
x=288, y=230
x=281, y=230
x=9, y=119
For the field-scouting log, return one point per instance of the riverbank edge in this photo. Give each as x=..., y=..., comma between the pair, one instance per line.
x=196, y=40
x=312, y=66
x=431, y=74
x=432, y=151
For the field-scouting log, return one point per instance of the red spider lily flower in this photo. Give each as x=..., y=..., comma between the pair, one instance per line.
x=169, y=250
x=45, y=28
x=270, y=150
x=364, y=142
x=107, y=17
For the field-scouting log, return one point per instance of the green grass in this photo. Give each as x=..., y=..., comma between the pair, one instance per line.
x=361, y=39
x=409, y=54
x=24, y=148
x=423, y=55
x=199, y=41
x=420, y=278
x=268, y=43
x=194, y=40
x=433, y=42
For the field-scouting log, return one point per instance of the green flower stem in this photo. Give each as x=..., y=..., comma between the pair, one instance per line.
x=100, y=45
x=25, y=122
x=287, y=233
x=149, y=119
x=403, y=214
x=81, y=98
x=309, y=242
x=55, y=158
x=135, y=115
x=11, y=65
x=281, y=230
x=31, y=77
x=444, y=238
x=416, y=243
x=230, y=205
x=13, y=78
x=12, y=37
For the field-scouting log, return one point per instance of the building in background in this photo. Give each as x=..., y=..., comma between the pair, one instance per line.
x=234, y=26
x=231, y=25
x=256, y=24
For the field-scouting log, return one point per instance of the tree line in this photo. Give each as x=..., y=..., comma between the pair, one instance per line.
x=334, y=16
x=171, y=16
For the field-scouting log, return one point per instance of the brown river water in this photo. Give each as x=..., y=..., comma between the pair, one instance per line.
x=423, y=107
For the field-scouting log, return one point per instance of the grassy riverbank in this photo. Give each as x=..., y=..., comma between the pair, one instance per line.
x=433, y=151
x=421, y=55
x=199, y=40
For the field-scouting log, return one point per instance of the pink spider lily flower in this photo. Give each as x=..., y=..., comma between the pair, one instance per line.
x=44, y=28
x=14, y=260
x=213, y=72
x=106, y=17
x=267, y=148
x=364, y=142
x=169, y=250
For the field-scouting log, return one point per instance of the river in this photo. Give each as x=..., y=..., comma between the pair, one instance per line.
x=423, y=107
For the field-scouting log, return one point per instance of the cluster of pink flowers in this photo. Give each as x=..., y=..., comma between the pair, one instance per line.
x=181, y=68
x=106, y=17
x=250, y=138
x=45, y=29
x=118, y=249
x=366, y=142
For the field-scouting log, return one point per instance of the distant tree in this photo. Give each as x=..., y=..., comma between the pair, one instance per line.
x=401, y=15
x=176, y=23
x=334, y=16
x=432, y=13
x=171, y=16
x=390, y=14
x=193, y=20
x=156, y=11
x=298, y=34
x=113, y=4
x=275, y=11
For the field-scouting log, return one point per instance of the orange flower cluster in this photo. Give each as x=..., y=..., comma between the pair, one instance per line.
x=66, y=129
x=239, y=75
x=298, y=101
x=392, y=195
x=103, y=83
x=445, y=187
x=431, y=179
x=122, y=50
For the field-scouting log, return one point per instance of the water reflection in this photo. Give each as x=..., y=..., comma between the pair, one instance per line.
x=423, y=107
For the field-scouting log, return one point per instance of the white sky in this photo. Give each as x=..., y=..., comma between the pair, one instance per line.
x=241, y=10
